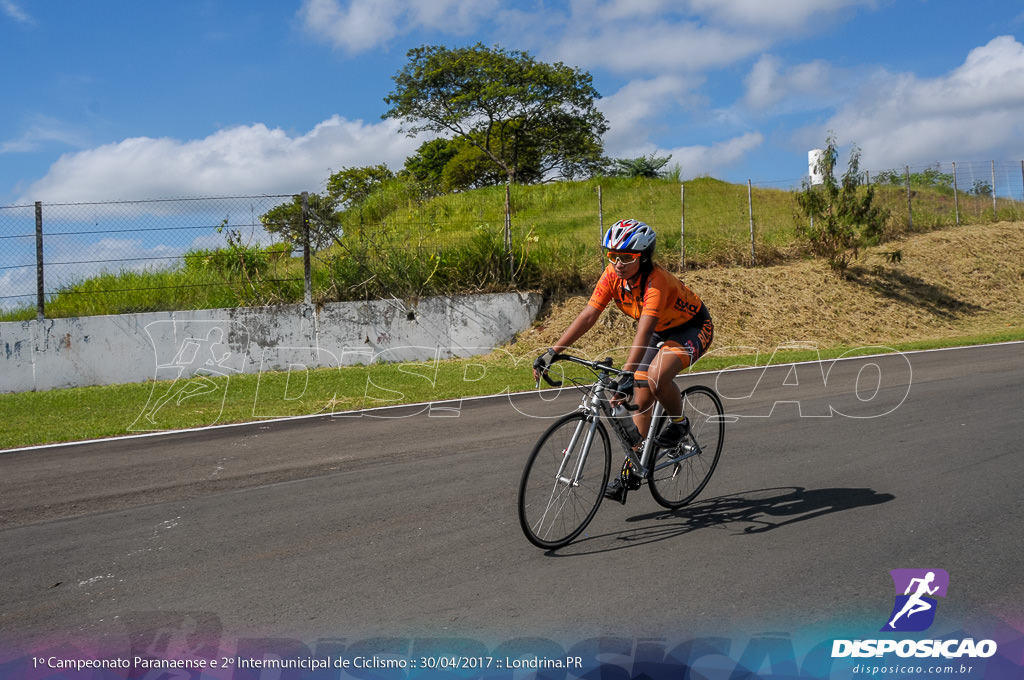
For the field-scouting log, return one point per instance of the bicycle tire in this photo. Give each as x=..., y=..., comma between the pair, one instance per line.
x=551, y=512
x=678, y=475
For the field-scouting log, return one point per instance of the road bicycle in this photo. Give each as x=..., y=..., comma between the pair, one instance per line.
x=568, y=470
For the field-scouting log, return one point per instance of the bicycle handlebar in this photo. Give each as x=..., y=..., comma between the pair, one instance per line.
x=605, y=366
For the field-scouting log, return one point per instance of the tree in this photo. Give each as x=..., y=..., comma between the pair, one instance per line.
x=351, y=186
x=980, y=188
x=841, y=215
x=523, y=115
x=286, y=220
x=346, y=189
x=444, y=165
x=471, y=168
x=426, y=167
x=930, y=178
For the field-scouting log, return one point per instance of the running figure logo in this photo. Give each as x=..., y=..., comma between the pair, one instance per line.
x=916, y=590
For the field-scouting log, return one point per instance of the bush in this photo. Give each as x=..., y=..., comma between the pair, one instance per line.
x=839, y=217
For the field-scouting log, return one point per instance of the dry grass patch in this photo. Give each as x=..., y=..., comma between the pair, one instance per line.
x=944, y=284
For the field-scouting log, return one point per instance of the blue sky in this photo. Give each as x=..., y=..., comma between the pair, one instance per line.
x=135, y=100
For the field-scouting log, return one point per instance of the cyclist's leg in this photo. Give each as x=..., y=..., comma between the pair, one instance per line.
x=643, y=395
x=682, y=347
x=643, y=398
x=670, y=360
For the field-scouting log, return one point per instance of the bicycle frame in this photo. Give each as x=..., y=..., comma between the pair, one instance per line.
x=597, y=405
x=560, y=491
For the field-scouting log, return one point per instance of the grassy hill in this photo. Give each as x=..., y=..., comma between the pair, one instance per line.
x=951, y=285
x=954, y=286
x=397, y=246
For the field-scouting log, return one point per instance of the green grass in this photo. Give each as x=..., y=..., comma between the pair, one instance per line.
x=398, y=247
x=452, y=244
x=33, y=418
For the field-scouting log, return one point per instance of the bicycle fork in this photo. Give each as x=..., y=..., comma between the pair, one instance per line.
x=574, y=479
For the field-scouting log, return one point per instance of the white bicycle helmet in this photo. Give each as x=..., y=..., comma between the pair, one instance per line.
x=631, y=235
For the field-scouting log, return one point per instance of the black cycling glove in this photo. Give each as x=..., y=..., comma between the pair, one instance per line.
x=543, y=362
x=626, y=385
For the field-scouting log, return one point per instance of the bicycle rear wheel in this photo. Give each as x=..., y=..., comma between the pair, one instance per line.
x=679, y=474
x=563, y=482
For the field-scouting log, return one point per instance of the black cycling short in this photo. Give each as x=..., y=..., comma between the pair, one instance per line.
x=689, y=340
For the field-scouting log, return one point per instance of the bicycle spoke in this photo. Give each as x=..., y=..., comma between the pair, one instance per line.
x=680, y=474
x=552, y=514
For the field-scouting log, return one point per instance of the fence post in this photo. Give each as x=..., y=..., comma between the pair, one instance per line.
x=682, y=226
x=305, y=250
x=508, y=232
x=40, y=294
x=956, y=196
x=600, y=218
x=750, y=211
x=994, y=214
x=910, y=206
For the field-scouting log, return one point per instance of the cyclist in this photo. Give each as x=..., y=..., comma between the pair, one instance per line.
x=674, y=329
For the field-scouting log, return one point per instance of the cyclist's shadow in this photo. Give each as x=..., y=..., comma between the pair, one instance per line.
x=748, y=512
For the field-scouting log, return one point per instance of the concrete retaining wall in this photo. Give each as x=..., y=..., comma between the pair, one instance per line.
x=105, y=350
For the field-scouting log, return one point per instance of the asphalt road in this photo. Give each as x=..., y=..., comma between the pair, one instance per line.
x=403, y=523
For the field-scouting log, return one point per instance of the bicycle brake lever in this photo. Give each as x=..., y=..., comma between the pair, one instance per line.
x=549, y=381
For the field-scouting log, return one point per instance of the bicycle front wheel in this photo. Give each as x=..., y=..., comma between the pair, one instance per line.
x=564, y=480
x=681, y=473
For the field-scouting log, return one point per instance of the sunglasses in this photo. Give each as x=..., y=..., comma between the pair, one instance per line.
x=622, y=257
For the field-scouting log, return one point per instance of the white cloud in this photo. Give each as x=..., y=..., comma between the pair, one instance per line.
x=668, y=36
x=664, y=47
x=243, y=160
x=361, y=25
x=769, y=83
x=702, y=160
x=792, y=14
x=18, y=288
x=357, y=28
x=649, y=36
x=976, y=111
x=43, y=130
x=13, y=10
x=637, y=107
x=759, y=14
x=672, y=46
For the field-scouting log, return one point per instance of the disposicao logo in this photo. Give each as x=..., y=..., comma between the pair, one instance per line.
x=916, y=590
x=914, y=611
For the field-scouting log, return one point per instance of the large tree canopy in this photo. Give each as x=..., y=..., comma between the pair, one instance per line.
x=531, y=119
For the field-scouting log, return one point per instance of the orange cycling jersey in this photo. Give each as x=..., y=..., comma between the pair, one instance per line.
x=664, y=296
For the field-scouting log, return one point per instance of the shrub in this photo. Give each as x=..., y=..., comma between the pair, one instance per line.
x=839, y=215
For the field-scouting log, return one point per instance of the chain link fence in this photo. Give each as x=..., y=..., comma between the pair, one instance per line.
x=80, y=250
x=77, y=259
